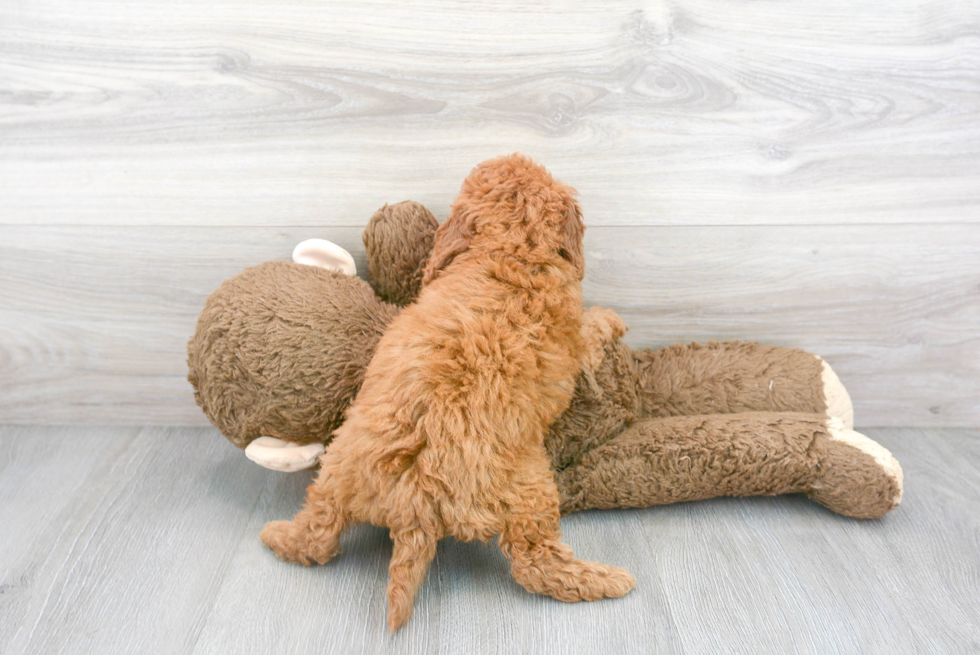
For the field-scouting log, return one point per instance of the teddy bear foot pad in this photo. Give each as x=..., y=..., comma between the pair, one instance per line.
x=286, y=456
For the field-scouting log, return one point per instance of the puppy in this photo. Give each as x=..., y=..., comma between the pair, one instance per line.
x=446, y=437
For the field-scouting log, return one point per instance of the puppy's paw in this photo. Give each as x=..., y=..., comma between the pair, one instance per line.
x=593, y=581
x=604, y=324
x=611, y=582
x=282, y=538
x=600, y=327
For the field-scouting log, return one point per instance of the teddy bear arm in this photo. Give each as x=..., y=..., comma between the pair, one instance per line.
x=735, y=376
x=682, y=458
x=604, y=403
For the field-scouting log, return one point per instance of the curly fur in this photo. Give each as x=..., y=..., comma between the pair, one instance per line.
x=446, y=436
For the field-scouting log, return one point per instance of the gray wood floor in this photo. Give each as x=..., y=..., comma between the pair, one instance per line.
x=124, y=540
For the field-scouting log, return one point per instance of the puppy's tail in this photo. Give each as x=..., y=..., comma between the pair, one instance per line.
x=413, y=551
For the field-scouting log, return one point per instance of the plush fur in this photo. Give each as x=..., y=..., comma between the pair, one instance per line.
x=399, y=238
x=446, y=436
x=334, y=325
x=243, y=359
x=690, y=422
x=623, y=386
x=751, y=454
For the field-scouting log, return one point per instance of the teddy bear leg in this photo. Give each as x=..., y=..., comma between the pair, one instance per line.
x=735, y=376
x=280, y=455
x=684, y=458
x=313, y=535
x=858, y=477
x=413, y=551
x=837, y=399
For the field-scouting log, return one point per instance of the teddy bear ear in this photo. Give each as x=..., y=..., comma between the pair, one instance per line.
x=324, y=254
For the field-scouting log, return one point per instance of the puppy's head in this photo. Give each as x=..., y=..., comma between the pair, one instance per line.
x=513, y=205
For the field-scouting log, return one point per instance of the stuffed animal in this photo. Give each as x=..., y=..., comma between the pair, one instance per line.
x=281, y=349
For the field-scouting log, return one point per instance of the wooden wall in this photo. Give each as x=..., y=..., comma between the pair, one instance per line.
x=792, y=172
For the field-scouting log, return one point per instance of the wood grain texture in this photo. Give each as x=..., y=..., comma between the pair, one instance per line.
x=94, y=320
x=126, y=553
x=893, y=309
x=147, y=541
x=694, y=112
x=794, y=173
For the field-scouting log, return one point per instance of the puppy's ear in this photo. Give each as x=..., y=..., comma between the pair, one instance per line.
x=572, y=232
x=452, y=238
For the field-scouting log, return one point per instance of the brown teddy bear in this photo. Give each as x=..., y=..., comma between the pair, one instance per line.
x=281, y=349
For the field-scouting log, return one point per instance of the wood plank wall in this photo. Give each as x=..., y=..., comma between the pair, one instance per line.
x=791, y=172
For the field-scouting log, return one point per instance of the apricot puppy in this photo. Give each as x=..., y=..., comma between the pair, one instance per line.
x=446, y=436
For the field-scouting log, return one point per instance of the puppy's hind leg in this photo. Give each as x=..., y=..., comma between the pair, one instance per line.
x=314, y=534
x=542, y=564
x=548, y=567
x=413, y=551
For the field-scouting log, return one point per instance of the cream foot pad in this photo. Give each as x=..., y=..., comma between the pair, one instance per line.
x=285, y=456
